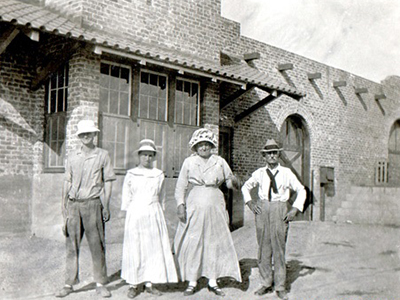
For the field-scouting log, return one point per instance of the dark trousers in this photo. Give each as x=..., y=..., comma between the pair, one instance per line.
x=85, y=217
x=271, y=237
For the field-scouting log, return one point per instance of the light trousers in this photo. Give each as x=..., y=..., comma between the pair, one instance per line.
x=271, y=237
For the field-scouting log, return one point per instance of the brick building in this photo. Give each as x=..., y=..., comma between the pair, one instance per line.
x=160, y=69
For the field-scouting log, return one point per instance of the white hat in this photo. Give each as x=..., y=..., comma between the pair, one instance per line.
x=202, y=135
x=85, y=126
x=147, y=145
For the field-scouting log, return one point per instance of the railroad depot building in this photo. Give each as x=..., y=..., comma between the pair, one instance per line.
x=160, y=69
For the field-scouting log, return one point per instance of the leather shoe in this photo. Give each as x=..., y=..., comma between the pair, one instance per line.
x=103, y=291
x=133, y=292
x=153, y=291
x=282, y=295
x=216, y=290
x=65, y=291
x=190, y=290
x=263, y=290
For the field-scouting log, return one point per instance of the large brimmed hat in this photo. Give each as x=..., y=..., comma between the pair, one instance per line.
x=202, y=135
x=147, y=145
x=270, y=146
x=85, y=126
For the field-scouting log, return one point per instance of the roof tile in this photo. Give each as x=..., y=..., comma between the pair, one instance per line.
x=40, y=18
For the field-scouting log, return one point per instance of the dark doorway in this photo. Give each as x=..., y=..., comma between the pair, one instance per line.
x=296, y=156
x=224, y=150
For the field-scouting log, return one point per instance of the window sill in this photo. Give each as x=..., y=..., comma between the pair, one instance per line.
x=54, y=170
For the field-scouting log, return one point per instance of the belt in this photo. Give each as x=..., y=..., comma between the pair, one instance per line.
x=83, y=200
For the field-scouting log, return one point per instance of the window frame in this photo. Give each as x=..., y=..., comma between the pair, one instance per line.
x=130, y=87
x=58, y=115
x=167, y=100
x=140, y=126
x=198, y=99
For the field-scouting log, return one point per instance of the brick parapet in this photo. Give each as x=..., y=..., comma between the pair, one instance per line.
x=160, y=22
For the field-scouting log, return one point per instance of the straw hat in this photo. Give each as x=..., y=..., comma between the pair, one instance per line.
x=85, y=126
x=202, y=135
x=147, y=145
x=270, y=146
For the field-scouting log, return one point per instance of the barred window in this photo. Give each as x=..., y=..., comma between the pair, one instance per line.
x=57, y=91
x=153, y=96
x=56, y=101
x=187, y=102
x=115, y=89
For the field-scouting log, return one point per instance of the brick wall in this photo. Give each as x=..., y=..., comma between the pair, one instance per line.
x=210, y=104
x=347, y=132
x=72, y=9
x=21, y=119
x=83, y=93
x=161, y=22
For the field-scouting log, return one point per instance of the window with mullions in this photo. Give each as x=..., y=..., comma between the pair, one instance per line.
x=56, y=97
x=57, y=92
x=153, y=96
x=187, y=102
x=115, y=89
x=115, y=108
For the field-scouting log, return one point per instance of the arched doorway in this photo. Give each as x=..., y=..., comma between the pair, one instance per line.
x=394, y=154
x=296, y=156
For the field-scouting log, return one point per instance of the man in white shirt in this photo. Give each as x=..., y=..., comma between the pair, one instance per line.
x=274, y=183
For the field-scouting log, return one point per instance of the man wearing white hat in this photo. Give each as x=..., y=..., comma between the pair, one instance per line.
x=88, y=177
x=274, y=183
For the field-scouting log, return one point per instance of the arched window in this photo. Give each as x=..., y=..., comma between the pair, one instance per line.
x=394, y=139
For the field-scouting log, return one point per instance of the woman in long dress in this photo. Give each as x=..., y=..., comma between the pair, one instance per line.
x=203, y=243
x=147, y=256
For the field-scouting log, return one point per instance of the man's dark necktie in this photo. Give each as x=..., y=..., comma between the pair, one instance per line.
x=272, y=184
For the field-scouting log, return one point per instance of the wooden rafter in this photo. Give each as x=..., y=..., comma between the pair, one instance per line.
x=361, y=90
x=312, y=76
x=53, y=64
x=339, y=83
x=284, y=67
x=239, y=93
x=32, y=34
x=251, y=56
x=7, y=37
x=380, y=96
x=275, y=92
x=256, y=106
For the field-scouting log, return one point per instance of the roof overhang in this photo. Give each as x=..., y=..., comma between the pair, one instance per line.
x=27, y=17
x=99, y=50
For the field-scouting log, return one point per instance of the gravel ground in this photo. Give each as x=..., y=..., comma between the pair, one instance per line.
x=326, y=261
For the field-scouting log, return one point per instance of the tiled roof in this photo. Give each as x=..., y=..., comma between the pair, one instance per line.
x=255, y=77
x=40, y=18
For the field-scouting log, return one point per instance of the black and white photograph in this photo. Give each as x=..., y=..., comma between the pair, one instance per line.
x=200, y=149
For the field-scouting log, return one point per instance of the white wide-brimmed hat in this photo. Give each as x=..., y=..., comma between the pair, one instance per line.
x=270, y=146
x=147, y=145
x=85, y=126
x=202, y=135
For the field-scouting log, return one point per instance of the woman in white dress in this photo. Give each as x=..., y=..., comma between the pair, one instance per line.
x=147, y=256
x=203, y=243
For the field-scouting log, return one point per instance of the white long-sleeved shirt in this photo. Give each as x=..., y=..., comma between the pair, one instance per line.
x=285, y=181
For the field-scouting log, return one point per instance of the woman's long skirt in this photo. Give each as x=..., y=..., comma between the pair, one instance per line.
x=204, y=246
x=147, y=255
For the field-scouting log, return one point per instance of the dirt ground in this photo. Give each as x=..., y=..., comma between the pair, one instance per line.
x=325, y=260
